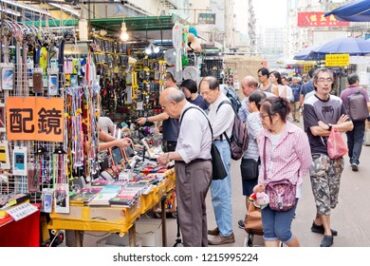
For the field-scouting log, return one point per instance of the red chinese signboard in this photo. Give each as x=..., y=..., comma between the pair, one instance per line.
x=35, y=118
x=317, y=19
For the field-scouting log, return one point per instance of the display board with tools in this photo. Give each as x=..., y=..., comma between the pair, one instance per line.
x=130, y=78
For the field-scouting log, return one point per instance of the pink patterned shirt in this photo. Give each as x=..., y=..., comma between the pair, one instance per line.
x=289, y=159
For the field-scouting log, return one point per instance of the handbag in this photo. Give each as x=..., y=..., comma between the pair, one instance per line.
x=336, y=145
x=282, y=193
x=218, y=167
x=253, y=220
x=249, y=169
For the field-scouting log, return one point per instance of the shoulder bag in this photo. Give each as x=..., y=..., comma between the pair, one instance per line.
x=218, y=167
x=282, y=193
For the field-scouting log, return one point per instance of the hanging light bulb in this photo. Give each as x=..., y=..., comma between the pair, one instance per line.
x=152, y=49
x=148, y=50
x=124, y=35
x=156, y=49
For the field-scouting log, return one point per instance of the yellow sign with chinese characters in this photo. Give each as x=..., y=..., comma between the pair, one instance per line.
x=336, y=60
x=35, y=118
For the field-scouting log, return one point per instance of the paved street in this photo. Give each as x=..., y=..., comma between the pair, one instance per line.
x=351, y=218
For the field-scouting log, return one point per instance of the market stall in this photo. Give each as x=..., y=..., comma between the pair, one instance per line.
x=54, y=86
x=116, y=219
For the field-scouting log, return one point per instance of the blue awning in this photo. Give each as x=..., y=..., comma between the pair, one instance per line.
x=357, y=11
x=308, y=54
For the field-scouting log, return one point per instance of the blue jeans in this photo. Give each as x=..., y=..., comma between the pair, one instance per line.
x=221, y=193
x=277, y=225
x=355, y=139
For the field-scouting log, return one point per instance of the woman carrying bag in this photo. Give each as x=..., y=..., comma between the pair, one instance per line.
x=285, y=159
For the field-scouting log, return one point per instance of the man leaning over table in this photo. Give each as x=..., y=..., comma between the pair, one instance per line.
x=192, y=164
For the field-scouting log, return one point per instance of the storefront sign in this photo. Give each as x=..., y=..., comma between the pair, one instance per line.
x=35, y=118
x=317, y=19
x=307, y=67
x=336, y=60
x=206, y=18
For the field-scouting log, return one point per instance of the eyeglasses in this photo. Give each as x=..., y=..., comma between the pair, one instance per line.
x=329, y=80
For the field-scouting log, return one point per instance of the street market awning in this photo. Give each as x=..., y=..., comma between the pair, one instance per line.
x=357, y=11
x=308, y=54
x=351, y=46
x=148, y=23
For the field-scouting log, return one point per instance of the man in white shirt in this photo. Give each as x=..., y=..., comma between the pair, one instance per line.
x=106, y=124
x=221, y=116
x=193, y=165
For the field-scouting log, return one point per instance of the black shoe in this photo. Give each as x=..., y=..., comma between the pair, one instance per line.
x=327, y=241
x=241, y=224
x=354, y=167
x=319, y=229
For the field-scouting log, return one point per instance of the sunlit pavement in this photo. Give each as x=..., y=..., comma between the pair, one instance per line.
x=351, y=217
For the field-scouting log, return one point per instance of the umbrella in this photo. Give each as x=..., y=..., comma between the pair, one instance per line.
x=308, y=54
x=354, y=11
x=351, y=46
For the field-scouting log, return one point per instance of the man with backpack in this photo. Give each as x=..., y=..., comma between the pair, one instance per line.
x=233, y=97
x=222, y=119
x=356, y=102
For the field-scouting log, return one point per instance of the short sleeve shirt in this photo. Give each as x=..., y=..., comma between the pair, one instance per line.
x=170, y=129
x=307, y=87
x=316, y=110
x=199, y=101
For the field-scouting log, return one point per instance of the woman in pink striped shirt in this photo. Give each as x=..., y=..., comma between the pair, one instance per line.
x=285, y=154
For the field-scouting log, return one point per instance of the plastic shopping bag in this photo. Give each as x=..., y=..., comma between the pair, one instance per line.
x=337, y=147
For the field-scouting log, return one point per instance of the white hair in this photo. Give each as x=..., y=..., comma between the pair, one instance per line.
x=175, y=95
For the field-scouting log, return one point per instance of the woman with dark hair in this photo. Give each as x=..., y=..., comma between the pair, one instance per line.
x=278, y=88
x=285, y=155
x=190, y=89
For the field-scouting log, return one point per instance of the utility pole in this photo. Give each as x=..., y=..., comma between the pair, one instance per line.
x=251, y=28
x=229, y=23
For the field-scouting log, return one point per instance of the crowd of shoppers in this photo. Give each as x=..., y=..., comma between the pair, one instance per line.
x=278, y=149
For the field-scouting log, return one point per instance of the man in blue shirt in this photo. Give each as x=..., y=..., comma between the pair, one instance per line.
x=170, y=125
x=189, y=87
x=296, y=89
x=306, y=88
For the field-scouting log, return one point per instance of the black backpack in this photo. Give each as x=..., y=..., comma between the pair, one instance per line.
x=239, y=137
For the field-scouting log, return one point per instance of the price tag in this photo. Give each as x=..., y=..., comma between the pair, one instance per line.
x=21, y=211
